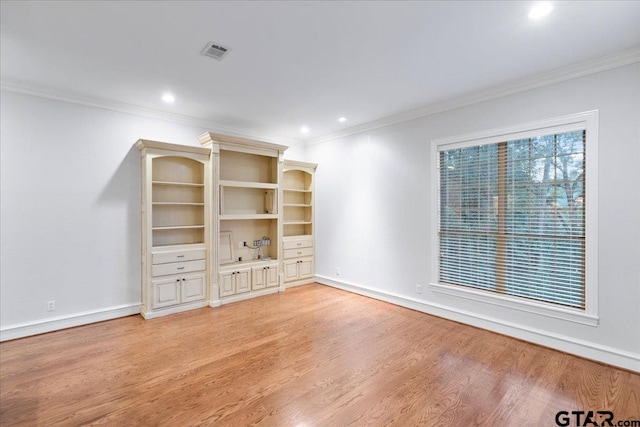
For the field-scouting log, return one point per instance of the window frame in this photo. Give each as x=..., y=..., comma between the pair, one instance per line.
x=587, y=121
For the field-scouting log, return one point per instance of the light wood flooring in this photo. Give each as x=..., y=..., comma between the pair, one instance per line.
x=311, y=356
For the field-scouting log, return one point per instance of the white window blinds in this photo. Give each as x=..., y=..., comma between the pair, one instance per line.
x=512, y=217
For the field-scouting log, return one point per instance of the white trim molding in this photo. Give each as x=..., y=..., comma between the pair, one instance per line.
x=587, y=121
x=122, y=107
x=585, y=349
x=604, y=63
x=514, y=303
x=42, y=326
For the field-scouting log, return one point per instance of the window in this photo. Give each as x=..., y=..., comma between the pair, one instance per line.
x=515, y=223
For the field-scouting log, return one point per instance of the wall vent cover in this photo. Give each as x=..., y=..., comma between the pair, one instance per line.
x=214, y=50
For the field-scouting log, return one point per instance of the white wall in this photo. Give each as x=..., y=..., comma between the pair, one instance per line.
x=70, y=210
x=70, y=222
x=373, y=203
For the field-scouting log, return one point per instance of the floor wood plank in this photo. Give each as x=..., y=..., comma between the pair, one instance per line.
x=311, y=356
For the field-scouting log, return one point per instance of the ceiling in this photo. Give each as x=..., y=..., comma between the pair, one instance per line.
x=298, y=63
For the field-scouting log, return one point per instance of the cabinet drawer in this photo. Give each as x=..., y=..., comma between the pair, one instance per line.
x=178, y=267
x=177, y=256
x=303, y=242
x=294, y=253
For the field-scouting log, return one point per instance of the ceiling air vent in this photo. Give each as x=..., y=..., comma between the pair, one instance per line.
x=214, y=50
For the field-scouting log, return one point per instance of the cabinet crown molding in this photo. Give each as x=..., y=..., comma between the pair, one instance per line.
x=297, y=163
x=219, y=139
x=141, y=144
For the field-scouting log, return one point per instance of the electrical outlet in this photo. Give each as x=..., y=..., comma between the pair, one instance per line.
x=242, y=245
x=337, y=271
x=51, y=305
x=419, y=289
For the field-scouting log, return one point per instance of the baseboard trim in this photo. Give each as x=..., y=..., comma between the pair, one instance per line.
x=165, y=311
x=588, y=350
x=21, y=330
x=248, y=295
x=299, y=283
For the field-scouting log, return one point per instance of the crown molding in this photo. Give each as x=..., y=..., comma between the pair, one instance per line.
x=122, y=107
x=597, y=65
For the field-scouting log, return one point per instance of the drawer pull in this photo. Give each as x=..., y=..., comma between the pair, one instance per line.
x=180, y=268
x=180, y=256
x=299, y=244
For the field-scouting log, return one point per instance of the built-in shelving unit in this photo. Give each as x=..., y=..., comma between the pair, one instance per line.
x=246, y=176
x=297, y=222
x=221, y=223
x=175, y=218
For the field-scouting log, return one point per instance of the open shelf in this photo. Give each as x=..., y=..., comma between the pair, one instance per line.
x=177, y=214
x=248, y=230
x=174, y=170
x=176, y=204
x=297, y=180
x=177, y=201
x=169, y=236
x=297, y=214
x=248, y=184
x=296, y=197
x=236, y=200
x=247, y=167
x=183, y=184
x=178, y=227
x=297, y=203
x=248, y=216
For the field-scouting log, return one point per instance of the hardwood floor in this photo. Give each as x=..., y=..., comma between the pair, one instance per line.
x=311, y=356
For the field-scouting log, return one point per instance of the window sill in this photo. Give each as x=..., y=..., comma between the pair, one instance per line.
x=515, y=303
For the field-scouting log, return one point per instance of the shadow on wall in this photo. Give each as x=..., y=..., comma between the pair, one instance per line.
x=121, y=198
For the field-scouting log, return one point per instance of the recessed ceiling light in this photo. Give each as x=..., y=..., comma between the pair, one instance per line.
x=540, y=10
x=342, y=119
x=304, y=129
x=168, y=98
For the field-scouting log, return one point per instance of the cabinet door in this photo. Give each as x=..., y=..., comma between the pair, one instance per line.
x=271, y=276
x=258, y=278
x=305, y=268
x=290, y=270
x=227, y=284
x=243, y=280
x=166, y=292
x=193, y=288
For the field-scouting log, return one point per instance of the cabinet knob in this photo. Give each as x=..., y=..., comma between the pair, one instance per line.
x=183, y=279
